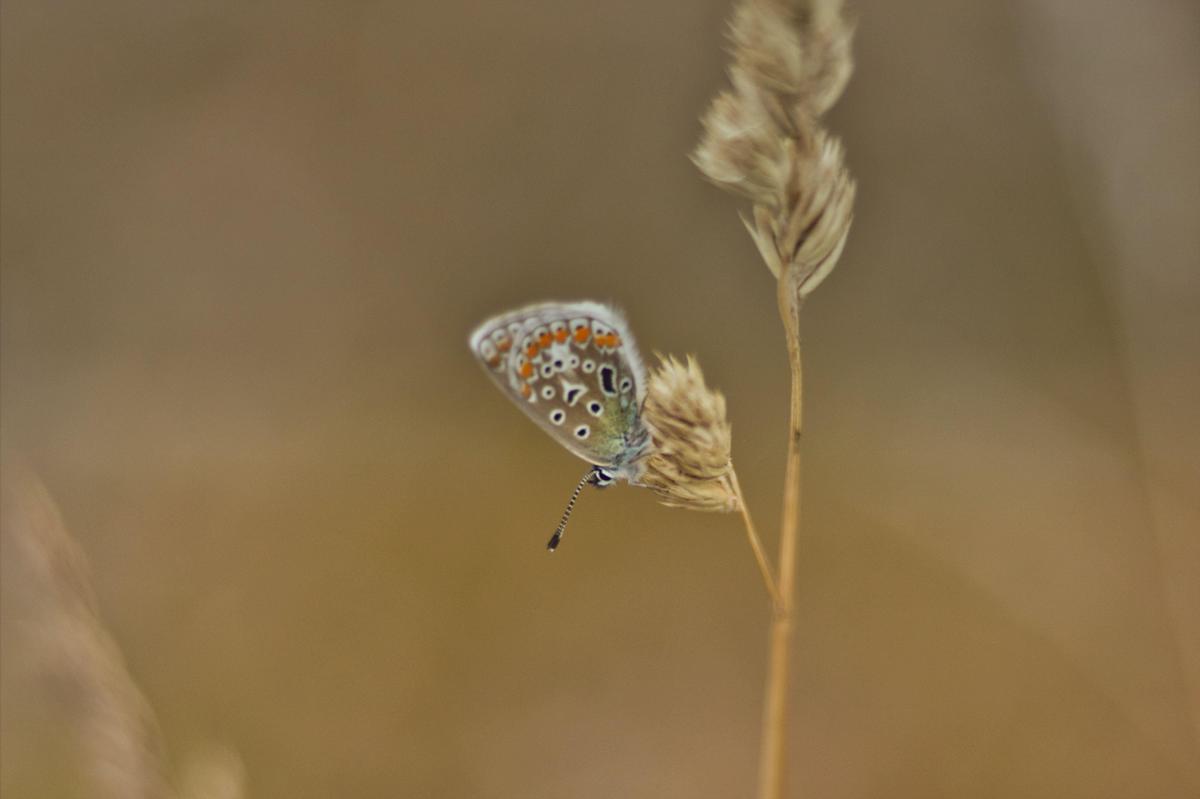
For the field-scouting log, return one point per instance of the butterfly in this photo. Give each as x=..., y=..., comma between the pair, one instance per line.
x=574, y=369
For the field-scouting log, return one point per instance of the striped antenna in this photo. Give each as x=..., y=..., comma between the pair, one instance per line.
x=562, y=525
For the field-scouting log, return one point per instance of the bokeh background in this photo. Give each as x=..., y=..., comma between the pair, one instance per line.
x=243, y=245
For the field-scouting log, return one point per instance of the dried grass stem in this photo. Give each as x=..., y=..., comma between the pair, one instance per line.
x=763, y=141
x=773, y=761
x=760, y=556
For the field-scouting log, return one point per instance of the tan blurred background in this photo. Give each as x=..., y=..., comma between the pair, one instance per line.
x=243, y=245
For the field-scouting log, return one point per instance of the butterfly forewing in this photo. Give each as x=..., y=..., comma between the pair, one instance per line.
x=574, y=369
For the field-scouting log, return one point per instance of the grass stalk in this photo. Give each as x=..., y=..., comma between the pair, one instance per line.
x=773, y=762
x=760, y=556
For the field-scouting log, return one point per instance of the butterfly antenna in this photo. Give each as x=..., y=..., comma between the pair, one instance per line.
x=562, y=525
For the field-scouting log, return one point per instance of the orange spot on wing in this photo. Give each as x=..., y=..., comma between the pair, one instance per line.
x=581, y=335
x=493, y=361
x=616, y=340
x=532, y=350
x=526, y=390
x=560, y=335
x=504, y=345
x=546, y=340
x=526, y=369
x=608, y=340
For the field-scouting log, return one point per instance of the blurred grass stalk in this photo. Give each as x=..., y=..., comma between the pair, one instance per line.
x=762, y=140
x=122, y=751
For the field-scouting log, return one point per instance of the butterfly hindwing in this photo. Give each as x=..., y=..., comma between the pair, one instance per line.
x=575, y=370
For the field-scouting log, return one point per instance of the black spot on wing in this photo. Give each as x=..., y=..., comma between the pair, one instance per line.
x=608, y=379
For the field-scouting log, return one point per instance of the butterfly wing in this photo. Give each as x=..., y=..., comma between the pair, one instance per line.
x=575, y=370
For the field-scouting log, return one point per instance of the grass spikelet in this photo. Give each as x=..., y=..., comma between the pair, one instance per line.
x=689, y=464
x=762, y=139
x=798, y=51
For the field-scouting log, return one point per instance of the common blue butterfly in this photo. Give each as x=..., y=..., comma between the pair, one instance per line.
x=574, y=369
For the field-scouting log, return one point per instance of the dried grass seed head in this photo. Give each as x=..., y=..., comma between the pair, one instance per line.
x=741, y=149
x=796, y=49
x=762, y=138
x=688, y=464
x=802, y=236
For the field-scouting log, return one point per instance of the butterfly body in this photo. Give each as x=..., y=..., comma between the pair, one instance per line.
x=574, y=369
